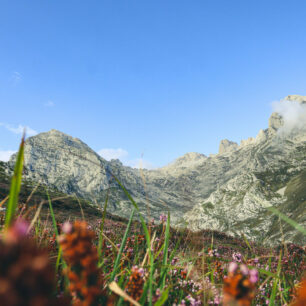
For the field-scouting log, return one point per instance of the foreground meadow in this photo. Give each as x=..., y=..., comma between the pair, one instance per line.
x=48, y=258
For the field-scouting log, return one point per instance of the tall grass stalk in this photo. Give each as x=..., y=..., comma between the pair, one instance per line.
x=15, y=185
x=288, y=220
x=148, y=240
x=123, y=242
x=59, y=253
x=275, y=281
x=100, y=243
x=165, y=258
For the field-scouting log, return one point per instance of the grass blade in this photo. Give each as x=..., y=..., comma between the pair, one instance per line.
x=148, y=239
x=52, y=214
x=165, y=258
x=113, y=286
x=288, y=220
x=102, y=225
x=59, y=254
x=117, y=261
x=15, y=186
x=275, y=282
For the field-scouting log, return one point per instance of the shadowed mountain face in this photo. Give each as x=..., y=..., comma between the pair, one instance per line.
x=228, y=191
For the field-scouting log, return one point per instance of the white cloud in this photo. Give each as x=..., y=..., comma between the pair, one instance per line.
x=5, y=155
x=110, y=154
x=19, y=129
x=123, y=155
x=140, y=163
x=16, y=77
x=49, y=103
x=293, y=113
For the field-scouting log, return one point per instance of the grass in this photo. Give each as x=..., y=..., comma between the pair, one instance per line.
x=111, y=260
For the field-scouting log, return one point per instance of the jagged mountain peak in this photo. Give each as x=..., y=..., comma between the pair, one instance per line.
x=187, y=160
x=60, y=140
x=298, y=98
x=227, y=146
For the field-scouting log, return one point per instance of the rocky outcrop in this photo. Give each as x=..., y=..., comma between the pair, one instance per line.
x=297, y=98
x=275, y=121
x=227, y=146
x=229, y=191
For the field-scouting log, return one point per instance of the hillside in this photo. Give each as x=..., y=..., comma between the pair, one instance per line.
x=228, y=191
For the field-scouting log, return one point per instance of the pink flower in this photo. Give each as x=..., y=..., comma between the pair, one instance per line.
x=237, y=257
x=163, y=218
x=244, y=269
x=232, y=267
x=253, y=276
x=66, y=227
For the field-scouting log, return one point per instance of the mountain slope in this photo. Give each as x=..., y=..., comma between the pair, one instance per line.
x=228, y=191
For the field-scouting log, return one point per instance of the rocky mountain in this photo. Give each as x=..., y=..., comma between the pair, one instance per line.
x=229, y=191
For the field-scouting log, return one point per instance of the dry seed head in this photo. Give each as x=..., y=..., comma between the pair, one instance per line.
x=81, y=257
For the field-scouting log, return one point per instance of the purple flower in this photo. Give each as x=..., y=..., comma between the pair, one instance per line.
x=253, y=276
x=20, y=228
x=163, y=218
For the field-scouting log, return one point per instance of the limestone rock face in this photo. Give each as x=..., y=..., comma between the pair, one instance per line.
x=247, y=142
x=275, y=121
x=229, y=191
x=298, y=98
x=227, y=146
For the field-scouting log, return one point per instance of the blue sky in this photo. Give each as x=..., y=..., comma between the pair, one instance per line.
x=151, y=78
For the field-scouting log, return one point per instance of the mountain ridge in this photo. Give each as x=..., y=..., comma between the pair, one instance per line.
x=227, y=191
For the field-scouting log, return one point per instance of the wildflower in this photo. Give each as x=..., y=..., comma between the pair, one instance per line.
x=238, y=288
x=163, y=218
x=81, y=257
x=174, y=261
x=193, y=301
x=157, y=292
x=184, y=274
x=67, y=228
x=26, y=276
x=237, y=257
x=244, y=269
x=134, y=287
x=253, y=276
x=232, y=267
x=213, y=253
